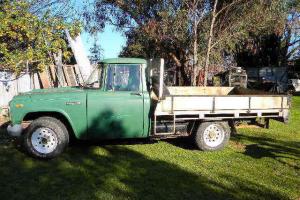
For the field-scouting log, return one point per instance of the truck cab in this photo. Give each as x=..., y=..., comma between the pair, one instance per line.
x=118, y=102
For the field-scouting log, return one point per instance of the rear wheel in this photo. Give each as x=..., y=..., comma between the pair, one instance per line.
x=212, y=136
x=46, y=138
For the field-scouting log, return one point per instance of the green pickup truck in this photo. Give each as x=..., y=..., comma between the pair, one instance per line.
x=126, y=98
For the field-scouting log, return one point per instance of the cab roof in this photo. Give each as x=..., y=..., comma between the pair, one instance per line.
x=124, y=61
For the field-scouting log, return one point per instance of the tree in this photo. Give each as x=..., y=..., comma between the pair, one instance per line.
x=231, y=27
x=147, y=24
x=96, y=52
x=211, y=32
x=276, y=47
x=26, y=38
x=196, y=13
x=193, y=35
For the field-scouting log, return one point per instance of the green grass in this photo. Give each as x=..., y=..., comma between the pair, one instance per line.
x=257, y=164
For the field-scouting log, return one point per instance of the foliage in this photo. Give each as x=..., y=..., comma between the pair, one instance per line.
x=169, y=28
x=258, y=164
x=57, y=8
x=273, y=48
x=154, y=29
x=27, y=38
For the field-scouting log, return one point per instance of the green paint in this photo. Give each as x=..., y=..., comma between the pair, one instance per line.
x=116, y=115
x=93, y=113
x=53, y=101
x=124, y=61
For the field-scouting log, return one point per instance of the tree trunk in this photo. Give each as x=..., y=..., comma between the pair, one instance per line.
x=180, y=68
x=285, y=52
x=209, y=43
x=195, y=54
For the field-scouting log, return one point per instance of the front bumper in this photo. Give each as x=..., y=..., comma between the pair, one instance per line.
x=15, y=130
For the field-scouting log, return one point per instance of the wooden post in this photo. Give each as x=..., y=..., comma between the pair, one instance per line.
x=59, y=70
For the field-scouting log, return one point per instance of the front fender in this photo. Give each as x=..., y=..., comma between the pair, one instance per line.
x=75, y=117
x=68, y=103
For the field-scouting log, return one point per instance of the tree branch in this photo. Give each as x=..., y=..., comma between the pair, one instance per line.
x=227, y=6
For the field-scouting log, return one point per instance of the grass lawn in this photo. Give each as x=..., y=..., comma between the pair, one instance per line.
x=257, y=164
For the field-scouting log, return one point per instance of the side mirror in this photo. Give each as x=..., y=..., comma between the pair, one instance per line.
x=156, y=69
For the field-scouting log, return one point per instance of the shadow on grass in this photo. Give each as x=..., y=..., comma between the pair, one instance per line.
x=296, y=94
x=271, y=148
x=4, y=139
x=184, y=143
x=88, y=171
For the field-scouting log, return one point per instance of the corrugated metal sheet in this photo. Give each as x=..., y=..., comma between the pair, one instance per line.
x=10, y=85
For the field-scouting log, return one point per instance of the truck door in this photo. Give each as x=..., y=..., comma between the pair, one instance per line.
x=117, y=111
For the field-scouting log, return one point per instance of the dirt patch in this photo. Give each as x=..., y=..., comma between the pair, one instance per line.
x=245, y=91
x=247, y=126
x=237, y=145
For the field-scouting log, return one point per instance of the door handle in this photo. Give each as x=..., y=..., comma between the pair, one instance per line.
x=136, y=93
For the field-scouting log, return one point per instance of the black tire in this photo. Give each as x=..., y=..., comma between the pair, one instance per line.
x=55, y=129
x=204, y=144
x=291, y=91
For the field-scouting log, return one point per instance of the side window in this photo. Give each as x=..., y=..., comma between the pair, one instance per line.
x=123, y=78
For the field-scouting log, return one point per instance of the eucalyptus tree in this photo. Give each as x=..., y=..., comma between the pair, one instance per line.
x=276, y=47
x=191, y=34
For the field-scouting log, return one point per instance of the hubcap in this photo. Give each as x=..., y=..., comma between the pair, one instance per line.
x=44, y=140
x=213, y=135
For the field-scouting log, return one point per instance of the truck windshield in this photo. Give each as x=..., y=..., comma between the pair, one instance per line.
x=123, y=77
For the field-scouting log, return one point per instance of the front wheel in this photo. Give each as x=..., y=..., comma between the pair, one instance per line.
x=46, y=138
x=212, y=136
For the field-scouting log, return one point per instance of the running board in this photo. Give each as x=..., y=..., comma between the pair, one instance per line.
x=162, y=134
x=167, y=135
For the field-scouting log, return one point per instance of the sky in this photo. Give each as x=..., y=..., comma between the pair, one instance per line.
x=111, y=41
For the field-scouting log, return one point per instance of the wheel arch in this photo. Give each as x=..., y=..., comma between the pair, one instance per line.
x=194, y=125
x=55, y=114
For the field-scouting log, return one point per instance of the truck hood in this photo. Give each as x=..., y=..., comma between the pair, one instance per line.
x=47, y=100
x=53, y=91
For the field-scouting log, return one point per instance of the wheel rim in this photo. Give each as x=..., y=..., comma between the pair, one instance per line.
x=213, y=135
x=44, y=140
